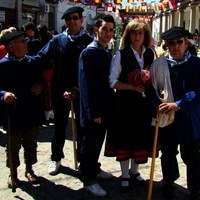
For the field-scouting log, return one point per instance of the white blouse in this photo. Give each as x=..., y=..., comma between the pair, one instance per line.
x=116, y=66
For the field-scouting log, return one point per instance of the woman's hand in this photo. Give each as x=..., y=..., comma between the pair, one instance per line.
x=139, y=89
x=36, y=89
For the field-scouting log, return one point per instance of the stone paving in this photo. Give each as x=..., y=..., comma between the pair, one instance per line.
x=67, y=186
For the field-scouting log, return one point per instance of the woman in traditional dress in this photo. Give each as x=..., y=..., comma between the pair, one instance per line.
x=129, y=137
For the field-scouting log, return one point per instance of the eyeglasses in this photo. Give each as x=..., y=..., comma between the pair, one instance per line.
x=174, y=42
x=75, y=18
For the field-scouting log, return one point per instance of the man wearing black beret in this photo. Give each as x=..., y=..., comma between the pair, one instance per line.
x=20, y=94
x=63, y=52
x=176, y=81
x=74, y=9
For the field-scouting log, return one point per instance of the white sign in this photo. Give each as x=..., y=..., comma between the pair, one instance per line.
x=100, y=11
x=2, y=16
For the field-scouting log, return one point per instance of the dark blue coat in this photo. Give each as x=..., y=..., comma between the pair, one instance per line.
x=95, y=93
x=64, y=54
x=185, y=81
x=18, y=77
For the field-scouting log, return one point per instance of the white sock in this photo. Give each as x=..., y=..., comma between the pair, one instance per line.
x=135, y=169
x=125, y=169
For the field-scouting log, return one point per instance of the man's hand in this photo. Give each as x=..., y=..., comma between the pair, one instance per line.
x=36, y=89
x=97, y=120
x=9, y=97
x=72, y=95
x=168, y=107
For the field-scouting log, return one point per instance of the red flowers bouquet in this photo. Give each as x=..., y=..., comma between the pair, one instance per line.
x=140, y=77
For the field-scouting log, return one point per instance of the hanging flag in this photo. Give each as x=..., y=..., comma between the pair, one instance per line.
x=173, y=4
x=117, y=1
x=144, y=6
x=97, y=1
x=109, y=7
x=127, y=8
x=75, y=1
x=157, y=7
x=133, y=8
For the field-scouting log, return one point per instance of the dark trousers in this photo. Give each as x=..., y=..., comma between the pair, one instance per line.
x=27, y=139
x=61, y=118
x=190, y=154
x=90, y=151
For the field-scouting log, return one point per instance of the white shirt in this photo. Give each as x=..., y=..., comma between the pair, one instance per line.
x=116, y=66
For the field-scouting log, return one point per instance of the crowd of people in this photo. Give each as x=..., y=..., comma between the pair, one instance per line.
x=119, y=94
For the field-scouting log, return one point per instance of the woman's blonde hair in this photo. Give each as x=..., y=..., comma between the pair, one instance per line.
x=133, y=26
x=7, y=31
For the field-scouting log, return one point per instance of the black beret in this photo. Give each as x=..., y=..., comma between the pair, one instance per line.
x=175, y=32
x=5, y=39
x=72, y=10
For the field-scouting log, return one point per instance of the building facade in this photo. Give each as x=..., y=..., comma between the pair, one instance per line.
x=18, y=12
x=187, y=15
x=49, y=12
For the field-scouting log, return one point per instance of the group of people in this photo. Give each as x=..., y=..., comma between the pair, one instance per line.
x=120, y=95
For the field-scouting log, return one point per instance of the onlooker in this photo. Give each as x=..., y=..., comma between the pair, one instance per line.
x=181, y=89
x=44, y=36
x=192, y=47
x=130, y=137
x=196, y=38
x=3, y=51
x=20, y=83
x=63, y=51
x=95, y=103
x=33, y=43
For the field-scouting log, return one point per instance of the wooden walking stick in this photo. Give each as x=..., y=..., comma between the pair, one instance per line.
x=153, y=157
x=74, y=135
x=10, y=160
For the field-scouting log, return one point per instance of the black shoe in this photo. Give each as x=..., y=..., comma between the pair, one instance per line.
x=194, y=196
x=122, y=187
x=13, y=183
x=168, y=190
x=134, y=179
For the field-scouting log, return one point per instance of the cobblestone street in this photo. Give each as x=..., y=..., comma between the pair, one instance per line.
x=67, y=186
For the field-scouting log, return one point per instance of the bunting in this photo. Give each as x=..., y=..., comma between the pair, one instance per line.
x=117, y=1
x=97, y=1
x=173, y=4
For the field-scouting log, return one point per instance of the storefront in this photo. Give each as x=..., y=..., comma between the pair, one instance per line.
x=30, y=14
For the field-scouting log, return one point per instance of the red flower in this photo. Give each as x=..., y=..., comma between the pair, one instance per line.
x=139, y=77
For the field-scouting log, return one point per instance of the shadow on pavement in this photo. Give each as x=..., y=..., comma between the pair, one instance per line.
x=48, y=190
x=68, y=171
x=46, y=132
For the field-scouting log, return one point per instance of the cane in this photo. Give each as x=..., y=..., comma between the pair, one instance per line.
x=153, y=157
x=74, y=135
x=10, y=149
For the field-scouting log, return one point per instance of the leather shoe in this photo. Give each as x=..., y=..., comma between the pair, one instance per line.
x=32, y=178
x=12, y=183
x=135, y=179
x=124, y=184
x=168, y=190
